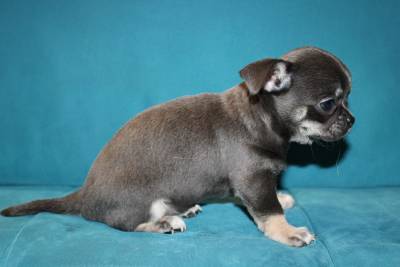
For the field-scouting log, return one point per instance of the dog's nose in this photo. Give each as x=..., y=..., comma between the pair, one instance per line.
x=347, y=115
x=350, y=120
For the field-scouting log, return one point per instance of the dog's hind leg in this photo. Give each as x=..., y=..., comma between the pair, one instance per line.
x=163, y=219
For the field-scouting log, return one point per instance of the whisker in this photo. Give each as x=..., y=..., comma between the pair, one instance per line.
x=338, y=158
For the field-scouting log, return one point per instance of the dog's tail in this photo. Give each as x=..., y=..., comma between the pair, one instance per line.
x=69, y=204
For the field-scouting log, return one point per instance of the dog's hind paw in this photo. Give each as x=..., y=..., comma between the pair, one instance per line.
x=171, y=224
x=192, y=212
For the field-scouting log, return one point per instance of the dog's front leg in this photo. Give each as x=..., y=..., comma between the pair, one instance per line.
x=258, y=193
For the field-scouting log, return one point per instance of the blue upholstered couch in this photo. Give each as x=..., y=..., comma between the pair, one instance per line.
x=72, y=72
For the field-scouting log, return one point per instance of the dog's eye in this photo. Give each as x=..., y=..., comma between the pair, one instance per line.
x=328, y=105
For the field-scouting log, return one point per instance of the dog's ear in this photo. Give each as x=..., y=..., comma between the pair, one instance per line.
x=272, y=75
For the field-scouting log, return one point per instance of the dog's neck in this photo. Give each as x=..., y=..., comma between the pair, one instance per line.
x=261, y=119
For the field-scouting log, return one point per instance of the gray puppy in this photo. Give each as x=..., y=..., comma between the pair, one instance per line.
x=172, y=156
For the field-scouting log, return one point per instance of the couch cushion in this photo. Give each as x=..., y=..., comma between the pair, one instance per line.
x=364, y=232
x=221, y=235
x=358, y=227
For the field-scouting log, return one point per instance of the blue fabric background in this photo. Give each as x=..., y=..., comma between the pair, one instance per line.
x=73, y=72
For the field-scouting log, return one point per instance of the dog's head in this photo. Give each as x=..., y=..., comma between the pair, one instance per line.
x=309, y=88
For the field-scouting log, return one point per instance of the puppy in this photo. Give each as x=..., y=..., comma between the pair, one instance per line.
x=167, y=159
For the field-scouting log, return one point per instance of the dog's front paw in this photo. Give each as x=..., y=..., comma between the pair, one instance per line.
x=293, y=236
x=277, y=228
x=300, y=237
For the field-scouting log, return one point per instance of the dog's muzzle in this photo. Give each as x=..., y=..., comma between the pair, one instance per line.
x=345, y=120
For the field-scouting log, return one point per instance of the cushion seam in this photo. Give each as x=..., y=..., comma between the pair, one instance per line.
x=12, y=244
x=313, y=228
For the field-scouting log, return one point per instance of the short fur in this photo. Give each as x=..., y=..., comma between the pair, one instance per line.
x=211, y=146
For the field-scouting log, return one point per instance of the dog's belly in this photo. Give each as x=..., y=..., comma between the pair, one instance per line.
x=200, y=189
x=130, y=197
x=131, y=183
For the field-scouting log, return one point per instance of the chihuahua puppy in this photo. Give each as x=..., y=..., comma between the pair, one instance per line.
x=167, y=159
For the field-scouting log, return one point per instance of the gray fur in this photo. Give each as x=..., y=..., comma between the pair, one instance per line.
x=211, y=145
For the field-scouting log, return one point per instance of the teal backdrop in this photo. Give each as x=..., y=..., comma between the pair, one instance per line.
x=73, y=72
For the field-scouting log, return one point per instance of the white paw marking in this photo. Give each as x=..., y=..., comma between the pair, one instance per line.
x=158, y=209
x=286, y=200
x=193, y=211
x=277, y=228
x=175, y=222
x=301, y=237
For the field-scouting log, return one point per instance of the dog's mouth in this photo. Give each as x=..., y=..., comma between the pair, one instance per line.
x=331, y=135
x=309, y=131
x=333, y=129
x=326, y=138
